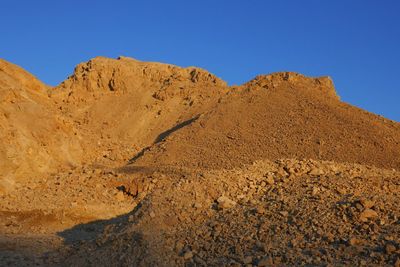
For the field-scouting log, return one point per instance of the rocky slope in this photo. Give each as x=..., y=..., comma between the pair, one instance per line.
x=283, y=115
x=283, y=213
x=149, y=164
x=123, y=105
x=35, y=139
x=104, y=113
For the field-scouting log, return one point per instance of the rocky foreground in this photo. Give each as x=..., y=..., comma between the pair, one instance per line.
x=288, y=212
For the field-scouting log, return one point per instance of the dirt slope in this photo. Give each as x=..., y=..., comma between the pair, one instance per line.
x=281, y=115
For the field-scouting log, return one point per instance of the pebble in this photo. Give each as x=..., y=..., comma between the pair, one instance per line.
x=367, y=204
x=225, y=203
x=284, y=213
x=197, y=205
x=315, y=191
x=368, y=214
x=389, y=248
x=248, y=260
x=270, y=180
x=260, y=210
x=120, y=196
x=188, y=255
x=316, y=172
x=355, y=241
x=341, y=191
x=199, y=261
x=265, y=261
x=179, y=246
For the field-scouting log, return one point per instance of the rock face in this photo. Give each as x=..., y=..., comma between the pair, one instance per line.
x=35, y=138
x=126, y=74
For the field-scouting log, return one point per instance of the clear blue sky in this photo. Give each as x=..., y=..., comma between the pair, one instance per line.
x=356, y=42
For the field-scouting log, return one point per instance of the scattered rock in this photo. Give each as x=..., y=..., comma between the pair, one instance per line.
x=248, y=260
x=367, y=204
x=225, y=203
x=284, y=213
x=315, y=191
x=389, y=248
x=120, y=196
x=188, y=255
x=260, y=210
x=265, y=261
x=270, y=180
x=316, y=172
x=355, y=241
x=197, y=205
x=179, y=245
x=368, y=214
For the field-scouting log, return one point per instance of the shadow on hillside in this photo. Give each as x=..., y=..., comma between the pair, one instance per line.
x=166, y=133
x=92, y=231
x=162, y=136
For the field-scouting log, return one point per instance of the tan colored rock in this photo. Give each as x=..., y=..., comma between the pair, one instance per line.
x=356, y=241
x=265, y=261
x=367, y=204
x=260, y=210
x=389, y=248
x=225, y=203
x=188, y=255
x=316, y=172
x=120, y=196
x=270, y=180
x=248, y=260
x=397, y=263
x=368, y=214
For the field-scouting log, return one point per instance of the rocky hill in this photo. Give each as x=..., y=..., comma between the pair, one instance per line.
x=282, y=115
x=130, y=163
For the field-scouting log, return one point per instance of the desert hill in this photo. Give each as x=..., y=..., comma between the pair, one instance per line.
x=130, y=163
x=282, y=115
x=104, y=113
x=120, y=106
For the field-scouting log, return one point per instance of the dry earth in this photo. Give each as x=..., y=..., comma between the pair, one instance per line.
x=130, y=163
